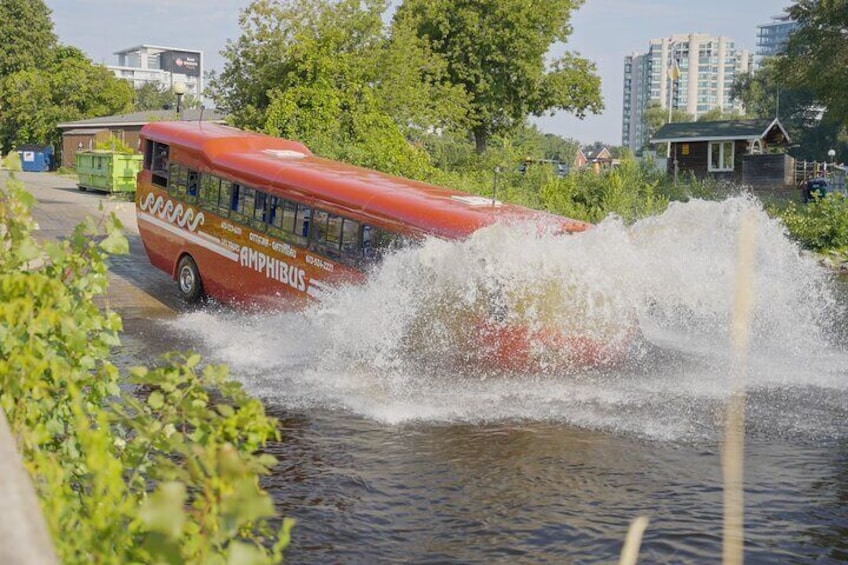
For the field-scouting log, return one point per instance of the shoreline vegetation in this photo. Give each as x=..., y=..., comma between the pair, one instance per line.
x=159, y=465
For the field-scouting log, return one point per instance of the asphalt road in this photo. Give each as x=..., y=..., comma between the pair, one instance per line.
x=137, y=291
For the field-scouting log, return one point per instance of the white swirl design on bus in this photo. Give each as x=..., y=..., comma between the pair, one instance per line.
x=166, y=210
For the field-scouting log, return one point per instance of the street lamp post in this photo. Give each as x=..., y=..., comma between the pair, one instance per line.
x=179, y=90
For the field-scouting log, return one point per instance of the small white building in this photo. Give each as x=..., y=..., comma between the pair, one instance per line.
x=164, y=66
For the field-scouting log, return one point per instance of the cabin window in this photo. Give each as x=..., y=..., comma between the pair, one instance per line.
x=721, y=156
x=210, y=189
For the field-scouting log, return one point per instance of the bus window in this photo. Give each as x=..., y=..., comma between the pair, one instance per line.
x=318, y=235
x=244, y=203
x=225, y=200
x=289, y=213
x=259, y=210
x=376, y=242
x=334, y=236
x=148, y=154
x=177, y=181
x=159, y=162
x=301, y=224
x=210, y=187
x=275, y=214
x=234, y=199
x=192, y=184
x=282, y=214
x=351, y=249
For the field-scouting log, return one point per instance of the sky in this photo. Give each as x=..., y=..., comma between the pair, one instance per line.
x=605, y=31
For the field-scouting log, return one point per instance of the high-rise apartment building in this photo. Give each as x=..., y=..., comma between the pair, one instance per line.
x=772, y=37
x=164, y=66
x=693, y=73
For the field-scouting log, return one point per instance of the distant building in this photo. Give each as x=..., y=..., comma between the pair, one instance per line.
x=163, y=66
x=693, y=73
x=746, y=152
x=772, y=37
x=598, y=157
x=83, y=135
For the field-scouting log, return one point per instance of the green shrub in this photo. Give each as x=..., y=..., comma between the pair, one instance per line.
x=820, y=225
x=114, y=144
x=12, y=161
x=160, y=466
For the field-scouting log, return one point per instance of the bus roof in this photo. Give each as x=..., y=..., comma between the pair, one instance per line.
x=406, y=205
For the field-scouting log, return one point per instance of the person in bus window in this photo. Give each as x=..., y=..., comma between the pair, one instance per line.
x=193, y=181
x=367, y=247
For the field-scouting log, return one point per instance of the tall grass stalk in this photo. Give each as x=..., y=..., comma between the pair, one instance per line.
x=630, y=551
x=733, y=450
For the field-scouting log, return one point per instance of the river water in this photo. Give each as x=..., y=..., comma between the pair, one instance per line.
x=396, y=449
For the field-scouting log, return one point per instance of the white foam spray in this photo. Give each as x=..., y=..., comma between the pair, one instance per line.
x=397, y=348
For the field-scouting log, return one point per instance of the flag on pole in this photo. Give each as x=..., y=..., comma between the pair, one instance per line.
x=674, y=71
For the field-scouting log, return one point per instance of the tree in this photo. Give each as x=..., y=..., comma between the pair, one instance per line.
x=43, y=83
x=656, y=116
x=718, y=114
x=154, y=96
x=27, y=32
x=816, y=54
x=559, y=148
x=68, y=87
x=812, y=128
x=495, y=50
x=324, y=72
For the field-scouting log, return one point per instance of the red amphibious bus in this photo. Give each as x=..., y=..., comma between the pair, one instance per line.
x=249, y=218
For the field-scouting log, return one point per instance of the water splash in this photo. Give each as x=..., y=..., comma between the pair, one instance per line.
x=398, y=348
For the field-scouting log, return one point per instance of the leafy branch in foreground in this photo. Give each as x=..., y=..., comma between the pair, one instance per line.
x=159, y=467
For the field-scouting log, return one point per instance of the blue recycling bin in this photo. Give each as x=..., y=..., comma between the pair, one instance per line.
x=36, y=158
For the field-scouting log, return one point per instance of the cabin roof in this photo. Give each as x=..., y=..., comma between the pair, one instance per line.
x=143, y=117
x=725, y=130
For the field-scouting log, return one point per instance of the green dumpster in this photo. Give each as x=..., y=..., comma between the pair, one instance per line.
x=108, y=171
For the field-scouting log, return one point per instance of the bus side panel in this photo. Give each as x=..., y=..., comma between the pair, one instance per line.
x=162, y=247
x=236, y=264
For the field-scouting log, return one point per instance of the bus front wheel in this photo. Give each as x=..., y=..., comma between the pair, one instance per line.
x=188, y=280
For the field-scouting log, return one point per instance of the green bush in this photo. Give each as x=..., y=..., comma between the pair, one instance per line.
x=820, y=225
x=160, y=466
x=114, y=144
x=12, y=161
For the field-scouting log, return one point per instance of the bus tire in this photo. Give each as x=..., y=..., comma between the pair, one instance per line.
x=188, y=280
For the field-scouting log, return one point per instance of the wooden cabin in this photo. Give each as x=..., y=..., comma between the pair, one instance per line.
x=745, y=152
x=83, y=135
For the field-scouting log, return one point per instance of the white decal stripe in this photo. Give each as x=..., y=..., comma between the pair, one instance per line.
x=209, y=237
x=319, y=284
x=317, y=288
x=193, y=238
